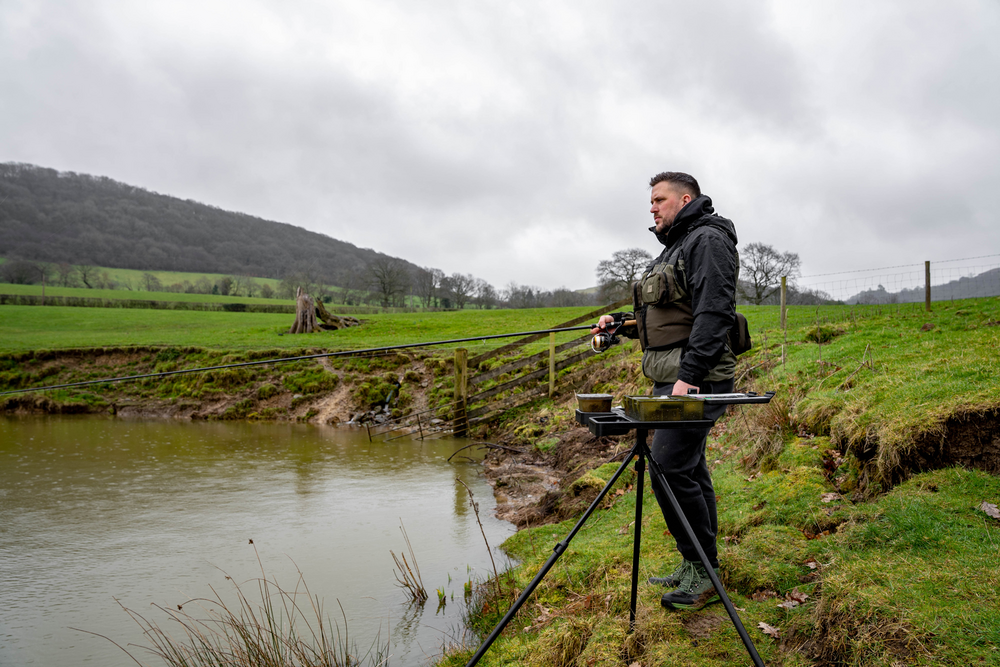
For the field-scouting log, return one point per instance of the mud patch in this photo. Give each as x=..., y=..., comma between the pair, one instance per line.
x=335, y=407
x=700, y=626
x=534, y=488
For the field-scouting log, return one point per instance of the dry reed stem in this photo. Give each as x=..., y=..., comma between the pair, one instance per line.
x=475, y=509
x=264, y=634
x=411, y=580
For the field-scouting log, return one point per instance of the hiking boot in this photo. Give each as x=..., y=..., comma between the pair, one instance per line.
x=672, y=580
x=695, y=590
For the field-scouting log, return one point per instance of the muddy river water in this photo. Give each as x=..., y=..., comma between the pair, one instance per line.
x=94, y=511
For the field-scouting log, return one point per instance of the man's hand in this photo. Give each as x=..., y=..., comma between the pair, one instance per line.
x=602, y=323
x=681, y=388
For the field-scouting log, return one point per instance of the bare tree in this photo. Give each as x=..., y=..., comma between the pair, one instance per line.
x=616, y=275
x=521, y=296
x=151, y=282
x=225, y=286
x=21, y=272
x=426, y=284
x=563, y=297
x=761, y=269
x=307, y=276
x=352, y=286
x=389, y=279
x=461, y=286
x=203, y=285
x=486, y=294
x=250, y=286
x=105, y=281
x=88, y=275
x=67, y=274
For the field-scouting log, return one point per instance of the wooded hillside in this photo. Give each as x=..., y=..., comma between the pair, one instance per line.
x=52, y=216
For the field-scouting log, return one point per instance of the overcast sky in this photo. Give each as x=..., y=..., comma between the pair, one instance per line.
x=515, y=140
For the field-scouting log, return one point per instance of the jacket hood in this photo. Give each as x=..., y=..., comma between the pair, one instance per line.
x=698, y=212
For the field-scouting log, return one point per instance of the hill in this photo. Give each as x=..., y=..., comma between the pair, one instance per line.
x=983, y=284
x=65, y=217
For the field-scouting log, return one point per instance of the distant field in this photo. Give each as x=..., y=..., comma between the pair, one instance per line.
x=36, y=290
x=123, y=277
x=25, y=328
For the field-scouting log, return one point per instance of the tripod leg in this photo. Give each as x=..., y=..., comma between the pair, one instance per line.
x=657, y=477
x=640, y=472
x=557, y=551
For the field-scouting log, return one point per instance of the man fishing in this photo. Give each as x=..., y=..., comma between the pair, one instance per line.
x=684, y=306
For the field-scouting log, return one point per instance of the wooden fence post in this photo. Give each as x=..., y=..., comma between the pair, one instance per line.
x=927, y=285
x=784, y=292
x=461, y=422
x=552, y=364
x=784, y=318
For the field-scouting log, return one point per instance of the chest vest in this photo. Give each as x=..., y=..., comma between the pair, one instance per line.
x=662, y=303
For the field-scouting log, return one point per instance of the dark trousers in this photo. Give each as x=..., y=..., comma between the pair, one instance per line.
x=680, y=453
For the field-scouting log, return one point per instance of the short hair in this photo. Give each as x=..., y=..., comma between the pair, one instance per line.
x=683, y=182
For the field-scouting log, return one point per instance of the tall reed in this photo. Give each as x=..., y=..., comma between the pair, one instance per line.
x=281, y=629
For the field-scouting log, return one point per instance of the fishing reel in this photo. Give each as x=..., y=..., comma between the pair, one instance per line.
x=603, y=341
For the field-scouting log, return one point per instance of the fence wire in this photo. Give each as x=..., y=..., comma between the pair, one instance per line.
x=952, y=279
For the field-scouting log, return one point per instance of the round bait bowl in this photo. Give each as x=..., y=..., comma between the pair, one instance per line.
x=594, y=402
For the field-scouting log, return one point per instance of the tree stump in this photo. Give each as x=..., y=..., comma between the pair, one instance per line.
x=305, y=314
x=333, y=322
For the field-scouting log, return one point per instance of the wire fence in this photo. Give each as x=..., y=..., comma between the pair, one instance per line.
x=965, y=278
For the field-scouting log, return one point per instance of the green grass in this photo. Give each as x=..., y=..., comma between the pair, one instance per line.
x=133, y=277
x=24, y=328
x=884, y=387
x=140, y=295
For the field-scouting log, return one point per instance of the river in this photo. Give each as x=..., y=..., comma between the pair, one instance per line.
x=100, y=511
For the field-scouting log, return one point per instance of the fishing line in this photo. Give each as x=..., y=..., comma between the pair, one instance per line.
x=344, y=353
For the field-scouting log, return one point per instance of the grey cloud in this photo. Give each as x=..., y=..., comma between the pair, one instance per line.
x=448, y=132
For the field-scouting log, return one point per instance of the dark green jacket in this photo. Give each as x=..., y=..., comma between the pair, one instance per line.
x=702, y=248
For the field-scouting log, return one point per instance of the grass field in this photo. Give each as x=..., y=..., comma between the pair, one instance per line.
x=24, y=328
x=36, y=290
x=133, y=277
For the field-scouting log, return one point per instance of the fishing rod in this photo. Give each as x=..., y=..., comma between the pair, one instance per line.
x=600, y=342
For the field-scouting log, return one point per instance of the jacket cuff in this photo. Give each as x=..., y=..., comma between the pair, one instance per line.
x=631, y=331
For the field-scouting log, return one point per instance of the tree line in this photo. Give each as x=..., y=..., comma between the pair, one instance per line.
x=761, y=270
x=386, y=282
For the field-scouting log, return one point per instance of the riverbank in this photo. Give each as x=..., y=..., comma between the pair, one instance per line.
x=857, y=512
x=322, y=391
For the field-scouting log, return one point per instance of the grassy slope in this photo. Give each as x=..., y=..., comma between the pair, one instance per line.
x=905, y=577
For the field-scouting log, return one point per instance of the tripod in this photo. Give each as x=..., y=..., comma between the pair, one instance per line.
x=616, y=423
